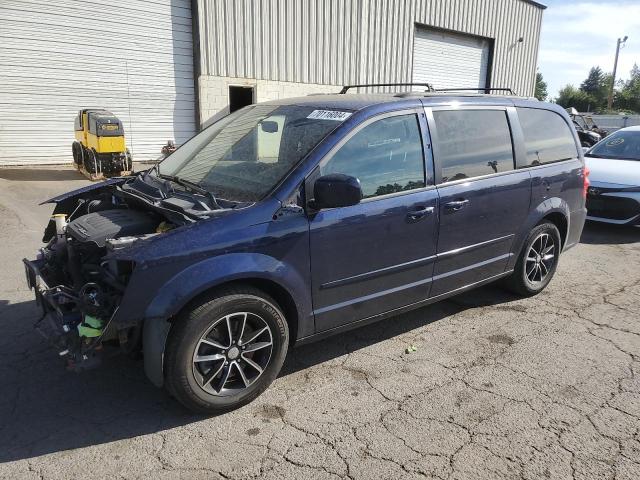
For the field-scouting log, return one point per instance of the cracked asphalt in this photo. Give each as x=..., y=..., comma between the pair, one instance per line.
x=498, y=387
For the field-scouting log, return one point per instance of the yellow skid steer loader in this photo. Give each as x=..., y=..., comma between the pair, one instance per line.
x=99, y=149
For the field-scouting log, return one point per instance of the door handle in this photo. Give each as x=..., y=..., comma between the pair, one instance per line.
x=419, y=212
x=455, y=205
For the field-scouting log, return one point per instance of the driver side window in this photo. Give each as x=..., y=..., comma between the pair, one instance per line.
x=386, y=156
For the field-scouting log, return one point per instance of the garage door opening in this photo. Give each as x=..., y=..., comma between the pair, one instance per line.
x=451, y=60
x=240, y=97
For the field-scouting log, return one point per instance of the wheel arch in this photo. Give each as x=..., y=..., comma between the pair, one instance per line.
x=172, y=300
x=271, y=288
x=561, y=221
x=556, y=210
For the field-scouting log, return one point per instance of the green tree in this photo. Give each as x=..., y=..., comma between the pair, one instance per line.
x=593, y=83
x=596, y=86
x=571, y=96
x=541, y=88
x=628, y=98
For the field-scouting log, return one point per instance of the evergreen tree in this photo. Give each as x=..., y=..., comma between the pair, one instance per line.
x=594, y=81
x=596, y=86
x=541, y=88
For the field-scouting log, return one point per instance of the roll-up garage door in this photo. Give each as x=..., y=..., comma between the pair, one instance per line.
x=133, y=57
x=450, y=60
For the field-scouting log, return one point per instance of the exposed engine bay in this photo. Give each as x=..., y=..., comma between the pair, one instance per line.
x=78, y=284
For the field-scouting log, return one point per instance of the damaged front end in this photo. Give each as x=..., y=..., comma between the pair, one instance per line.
x=78, y=277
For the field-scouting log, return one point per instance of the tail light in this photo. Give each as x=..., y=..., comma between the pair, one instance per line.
x=585, y=176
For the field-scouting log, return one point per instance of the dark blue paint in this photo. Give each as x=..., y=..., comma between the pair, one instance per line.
x=496, y=208
x=347, y=266
x=387, y=257
x=79, y=191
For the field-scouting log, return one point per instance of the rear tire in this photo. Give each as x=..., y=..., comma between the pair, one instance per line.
x=225, y=350
x=537, y=262
x=128, y=161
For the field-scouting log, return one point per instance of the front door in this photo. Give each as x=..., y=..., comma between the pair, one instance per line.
x=483, y=200
x=376, y=256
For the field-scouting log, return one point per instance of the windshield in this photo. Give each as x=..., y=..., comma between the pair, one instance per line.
x=245, y=155
x=620, y=145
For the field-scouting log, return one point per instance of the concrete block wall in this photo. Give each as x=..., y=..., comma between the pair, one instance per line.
x=214, y=92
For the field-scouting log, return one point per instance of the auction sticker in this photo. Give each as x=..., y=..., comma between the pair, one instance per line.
x=329, y=115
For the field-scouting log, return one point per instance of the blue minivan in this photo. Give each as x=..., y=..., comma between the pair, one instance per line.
x=291, y=220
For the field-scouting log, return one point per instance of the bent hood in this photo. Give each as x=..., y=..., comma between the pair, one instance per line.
x=619, y=172
x=89, y=188
x=233, y=230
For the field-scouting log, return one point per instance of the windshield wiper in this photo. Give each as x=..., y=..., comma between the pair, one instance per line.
x=193, y=187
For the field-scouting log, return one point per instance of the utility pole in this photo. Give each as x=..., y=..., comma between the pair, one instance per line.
x=621, y=41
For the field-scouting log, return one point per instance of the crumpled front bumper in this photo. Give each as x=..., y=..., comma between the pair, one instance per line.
x=58, y=323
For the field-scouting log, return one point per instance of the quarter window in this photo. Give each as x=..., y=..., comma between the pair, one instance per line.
x=386, y=156
x=472, y=143
x=547, y=137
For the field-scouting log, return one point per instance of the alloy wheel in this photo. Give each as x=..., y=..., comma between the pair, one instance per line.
x=540, y=258
x=232, y=354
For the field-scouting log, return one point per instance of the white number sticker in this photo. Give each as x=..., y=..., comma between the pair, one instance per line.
x=329, y=115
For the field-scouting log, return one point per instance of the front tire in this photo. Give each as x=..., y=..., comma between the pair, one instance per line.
x=537, y=262
x=226, y=350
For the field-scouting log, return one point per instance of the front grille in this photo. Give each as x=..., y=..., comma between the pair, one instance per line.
x=614, y=208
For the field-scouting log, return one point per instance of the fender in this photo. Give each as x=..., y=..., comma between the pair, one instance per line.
x=546, y=207
x=205, y=275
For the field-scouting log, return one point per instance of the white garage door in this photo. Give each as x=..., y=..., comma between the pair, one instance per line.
x=133, y=57
x=447, y=60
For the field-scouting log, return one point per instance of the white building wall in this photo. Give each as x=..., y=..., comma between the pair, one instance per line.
x=133, y=57
x=214, y=91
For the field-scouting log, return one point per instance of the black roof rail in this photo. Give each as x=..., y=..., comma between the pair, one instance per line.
x=428, y=85
x=485, y=89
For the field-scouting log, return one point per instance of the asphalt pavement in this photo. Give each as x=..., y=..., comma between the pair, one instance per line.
x=497, y=387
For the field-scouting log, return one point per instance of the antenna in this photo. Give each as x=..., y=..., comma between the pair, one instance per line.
x=126, y=69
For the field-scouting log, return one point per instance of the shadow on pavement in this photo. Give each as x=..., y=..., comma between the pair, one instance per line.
x=605, y=234
x=46, y=409
x=40, y=174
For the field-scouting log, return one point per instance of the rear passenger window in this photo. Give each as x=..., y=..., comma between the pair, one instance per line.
x=386, y=156
x=472, y=143
x=547, y=137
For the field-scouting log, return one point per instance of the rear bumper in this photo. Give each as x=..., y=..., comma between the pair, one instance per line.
x=576, y=224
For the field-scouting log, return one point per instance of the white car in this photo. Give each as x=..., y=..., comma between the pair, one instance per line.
x=614, y=165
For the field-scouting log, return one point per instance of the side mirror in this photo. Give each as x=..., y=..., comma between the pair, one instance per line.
x=269, y=126
x=336, y=190
x=585, y=149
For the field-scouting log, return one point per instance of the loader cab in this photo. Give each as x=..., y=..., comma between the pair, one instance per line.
x=105, y=133
x=81, y=122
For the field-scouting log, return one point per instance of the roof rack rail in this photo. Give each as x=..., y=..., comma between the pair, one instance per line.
x=428, y=85
x=485, y=89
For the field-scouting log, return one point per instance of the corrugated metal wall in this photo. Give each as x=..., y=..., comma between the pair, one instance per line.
x=451, y=59
x=358, y=41
x=133, y=57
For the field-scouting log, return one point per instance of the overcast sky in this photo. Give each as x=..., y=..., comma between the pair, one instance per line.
x=579, y=34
